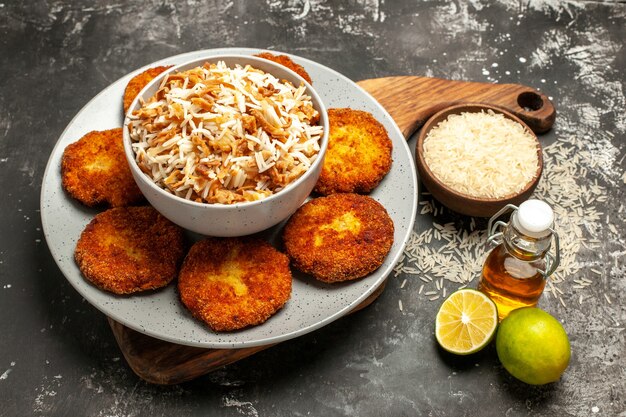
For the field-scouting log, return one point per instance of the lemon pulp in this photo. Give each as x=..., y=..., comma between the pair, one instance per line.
x=466, y=322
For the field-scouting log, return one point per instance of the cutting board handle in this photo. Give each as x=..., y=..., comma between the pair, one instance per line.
x=412, y=100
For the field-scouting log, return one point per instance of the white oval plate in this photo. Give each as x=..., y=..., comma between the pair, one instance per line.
x=160, y=314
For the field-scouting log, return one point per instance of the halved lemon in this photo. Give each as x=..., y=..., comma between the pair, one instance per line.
x=466, y=322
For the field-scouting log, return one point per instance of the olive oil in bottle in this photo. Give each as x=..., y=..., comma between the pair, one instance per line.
x=515, y=271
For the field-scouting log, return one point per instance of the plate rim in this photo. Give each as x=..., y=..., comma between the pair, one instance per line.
x=267, y=340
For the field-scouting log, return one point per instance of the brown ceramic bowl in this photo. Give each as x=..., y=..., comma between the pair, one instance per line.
x=462, y=203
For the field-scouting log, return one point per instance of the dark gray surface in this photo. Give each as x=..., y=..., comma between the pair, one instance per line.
x=57, y=354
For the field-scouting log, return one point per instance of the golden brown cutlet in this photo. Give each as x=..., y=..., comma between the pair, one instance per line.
x=94, y=170
x=138, y=82
x=232, y=283
x=358, y=155
x=128, y=249
x=285, y=61
x=340, y=237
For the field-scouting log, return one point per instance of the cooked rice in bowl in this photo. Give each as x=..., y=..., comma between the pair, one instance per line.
x=216, y=134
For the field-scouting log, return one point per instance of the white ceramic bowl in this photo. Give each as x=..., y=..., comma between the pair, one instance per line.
x=230, y=219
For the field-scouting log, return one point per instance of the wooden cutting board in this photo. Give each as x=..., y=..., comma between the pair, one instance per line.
x=410, y=100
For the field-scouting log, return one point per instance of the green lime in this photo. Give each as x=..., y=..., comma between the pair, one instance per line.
x=533, y=346
x=466, y=322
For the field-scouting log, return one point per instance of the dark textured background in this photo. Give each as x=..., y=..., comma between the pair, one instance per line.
x=57, y=354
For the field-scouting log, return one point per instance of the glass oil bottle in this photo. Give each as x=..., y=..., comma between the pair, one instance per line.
x=515, y=271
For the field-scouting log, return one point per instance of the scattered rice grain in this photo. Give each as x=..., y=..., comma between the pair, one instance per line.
x=566, y=163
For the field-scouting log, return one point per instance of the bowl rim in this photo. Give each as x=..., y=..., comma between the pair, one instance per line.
x=434, y=120
x=310, y=90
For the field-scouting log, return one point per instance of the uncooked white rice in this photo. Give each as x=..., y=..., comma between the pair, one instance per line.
x=481, y=154
x=459, y=250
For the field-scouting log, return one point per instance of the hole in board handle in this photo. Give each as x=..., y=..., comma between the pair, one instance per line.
x=530, y=101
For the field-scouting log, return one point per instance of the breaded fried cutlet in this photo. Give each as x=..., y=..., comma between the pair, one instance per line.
x=340, y=237
x=129, y=249
x=95, y=171
x=138, y=82
x=285, y=61
x=358, y=155
x=232, y=283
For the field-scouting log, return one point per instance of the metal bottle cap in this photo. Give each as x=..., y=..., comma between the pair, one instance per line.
x=534, y=218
